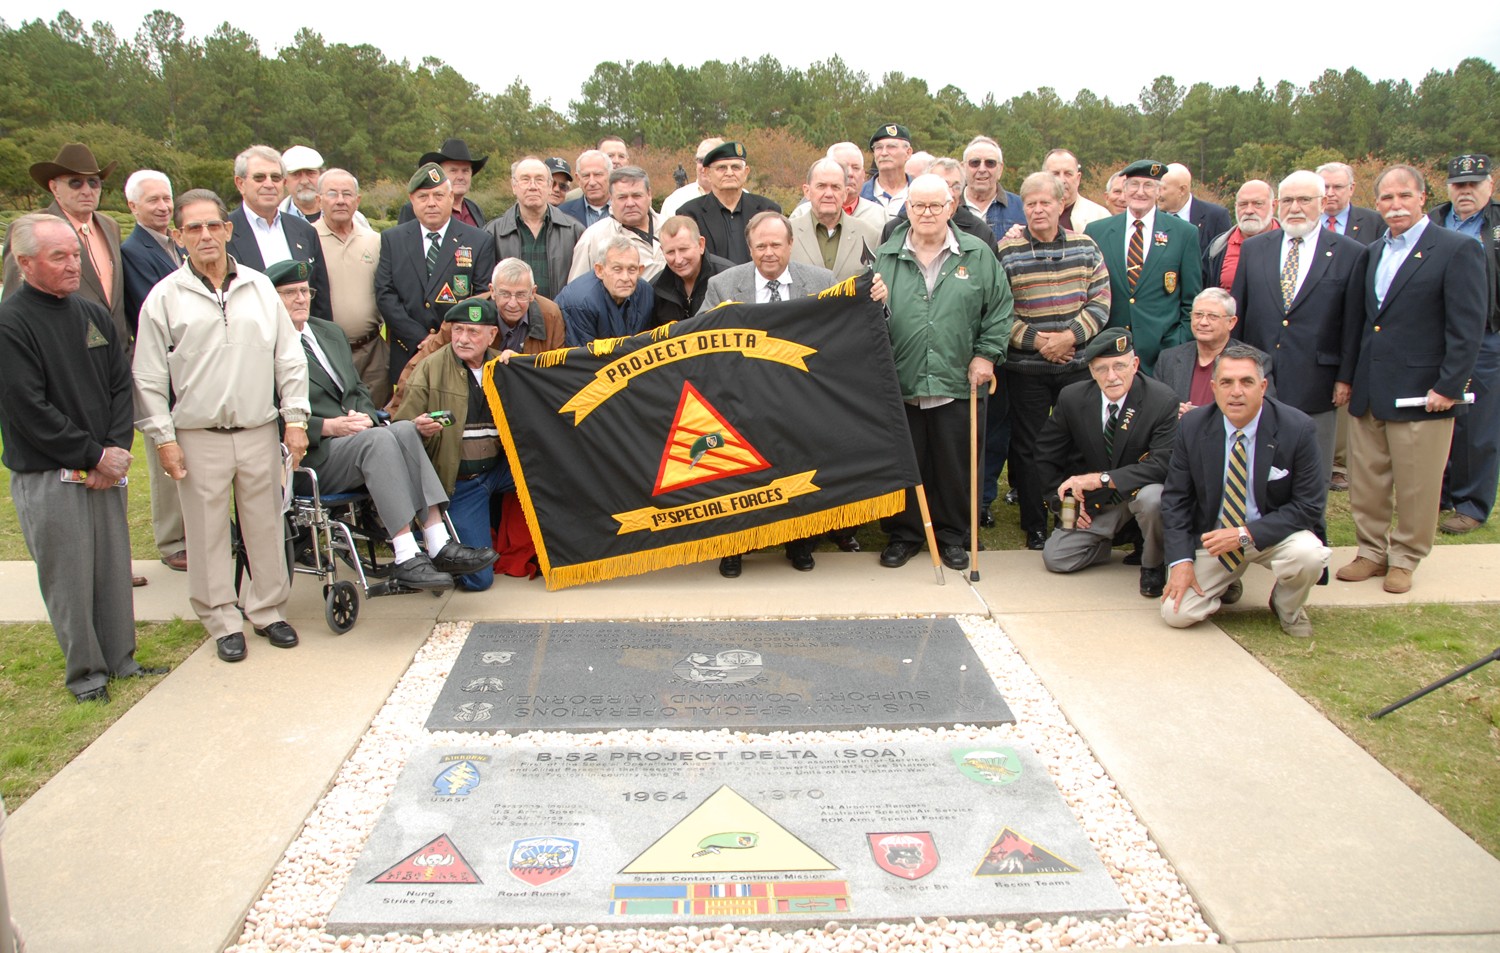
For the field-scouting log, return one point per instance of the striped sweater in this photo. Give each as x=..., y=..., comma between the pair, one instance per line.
x=1061, y=285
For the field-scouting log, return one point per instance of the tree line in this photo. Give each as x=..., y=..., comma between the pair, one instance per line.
x=186, y=106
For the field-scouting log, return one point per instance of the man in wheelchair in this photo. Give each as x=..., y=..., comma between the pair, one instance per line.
x=348, y=449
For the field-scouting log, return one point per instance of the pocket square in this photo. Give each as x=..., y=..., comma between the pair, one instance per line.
x=1279, y=474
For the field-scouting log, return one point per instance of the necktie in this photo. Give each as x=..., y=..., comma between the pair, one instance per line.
x=773, y=290
x=313, y=355
x=1333, y=224
x=1110, y=426
x=1136, y=258
x=1289, y=275
x=1232, y=513
x=432, y=252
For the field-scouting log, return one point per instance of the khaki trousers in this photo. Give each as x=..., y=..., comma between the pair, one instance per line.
x=1409, y=457
x=249, y=463
x=1297, y=562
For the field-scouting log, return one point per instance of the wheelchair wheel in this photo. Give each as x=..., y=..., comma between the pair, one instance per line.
x=341, y=606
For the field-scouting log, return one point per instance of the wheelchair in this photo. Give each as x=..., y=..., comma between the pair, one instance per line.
x=322, y=531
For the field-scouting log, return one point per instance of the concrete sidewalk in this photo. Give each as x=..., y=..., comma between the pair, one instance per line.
x=1293, y=840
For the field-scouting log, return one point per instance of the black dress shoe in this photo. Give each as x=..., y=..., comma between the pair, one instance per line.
x=232, y=647
x=419, y=572
x=145, y=670
x=986, y=519
x=1133, y=558
x=1153, y=581
x=456, y=559
x=1013, y=496
x=895, y=555
x=801, y=557
x=1036, y=540
x=845, y=541
x=100, y=694
x=953, y=556
x=1233, y=593
x=729, y=567
x=280, y=634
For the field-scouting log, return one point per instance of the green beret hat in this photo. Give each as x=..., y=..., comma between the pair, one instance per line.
x=429, y=176
x=891, y=130
x=289, y=272
x=474, y=311
x=729, y=150
x=1145, y=169
x=1108, y=343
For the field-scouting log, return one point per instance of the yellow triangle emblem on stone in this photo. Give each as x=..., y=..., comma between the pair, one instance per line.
x=727, y=834
x=702, y=446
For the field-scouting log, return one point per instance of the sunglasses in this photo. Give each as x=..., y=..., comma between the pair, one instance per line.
x=78, y=182
x=986, y=163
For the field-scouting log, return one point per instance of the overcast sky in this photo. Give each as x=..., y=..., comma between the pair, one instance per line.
x=544, y=46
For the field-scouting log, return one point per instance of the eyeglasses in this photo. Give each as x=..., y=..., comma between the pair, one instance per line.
x=520, y=296
x=346, y=195
x=1141, y=185
x=986, y=163
x=262, y=176
x=78, y=182
x=296, y=294
x=1300, y=199
x=1209, y=314
x=202, y=228
x=727, y=167
x=926, y=208
x=1113, y=368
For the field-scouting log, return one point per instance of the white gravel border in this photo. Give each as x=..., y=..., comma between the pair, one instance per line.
x=293, y=911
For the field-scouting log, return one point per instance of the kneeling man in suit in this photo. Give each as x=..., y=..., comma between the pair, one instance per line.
x=349, y=451
x=1246, y=484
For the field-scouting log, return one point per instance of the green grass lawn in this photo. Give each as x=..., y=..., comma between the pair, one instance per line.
x=41, y=727
x=1445, y=746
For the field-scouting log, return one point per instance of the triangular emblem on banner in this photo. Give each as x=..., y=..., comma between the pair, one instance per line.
x=702, y=446
x=435, y=862
x=726, y=834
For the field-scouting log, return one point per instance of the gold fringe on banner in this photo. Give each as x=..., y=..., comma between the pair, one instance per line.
x=844, y=289
x=508, y=441
x=729, y=544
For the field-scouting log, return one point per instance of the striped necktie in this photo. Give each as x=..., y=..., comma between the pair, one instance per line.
x=1135, y=259
x=1110, y=426
x=1289, y=275
x=1232, y=514
x=432, y=252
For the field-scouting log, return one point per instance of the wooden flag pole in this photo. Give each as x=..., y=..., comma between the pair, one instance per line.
x=973, y=483
x=937, y=565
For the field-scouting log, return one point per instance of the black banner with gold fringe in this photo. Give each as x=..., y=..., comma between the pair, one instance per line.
x=741, y=428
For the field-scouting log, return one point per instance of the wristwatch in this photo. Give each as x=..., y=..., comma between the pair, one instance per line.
x=1245, y=541
x=1105, y=480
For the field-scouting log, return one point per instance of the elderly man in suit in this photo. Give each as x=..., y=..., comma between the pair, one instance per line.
x=1155, y=265
x=1188, y=368
x=1424, y=317
x=350, y=451
x=460, y=168
x=76, y=182
x=1177, y=199
x=1106, y=446
x=263, y=235
x=829, y=237
x=1300, y=292
x=1340, y=215
x=427, y=265
x=725, y=212
x=770, y=276
x=149, y=255
x=1245, y=485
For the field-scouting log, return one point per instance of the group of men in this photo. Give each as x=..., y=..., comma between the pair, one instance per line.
x=1133, y=352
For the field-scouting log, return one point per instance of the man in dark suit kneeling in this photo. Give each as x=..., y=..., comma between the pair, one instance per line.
x=1245, y=484
x=348, y=450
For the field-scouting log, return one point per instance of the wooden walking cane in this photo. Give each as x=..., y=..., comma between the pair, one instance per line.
x=937, y=566
x=974, y=480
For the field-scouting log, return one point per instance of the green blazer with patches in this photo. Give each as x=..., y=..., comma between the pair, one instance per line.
x=1156, y=315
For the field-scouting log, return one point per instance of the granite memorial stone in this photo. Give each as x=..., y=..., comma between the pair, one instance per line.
x=783, y=675
x=765, y=833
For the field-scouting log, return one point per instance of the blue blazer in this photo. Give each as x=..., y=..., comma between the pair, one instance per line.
x=301, y=239
x=145, y=263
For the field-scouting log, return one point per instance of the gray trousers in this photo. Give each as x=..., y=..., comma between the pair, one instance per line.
x=392, y=466
x=1327, y=428
x=1069, y=550
x=166, y=511
x=81, y=544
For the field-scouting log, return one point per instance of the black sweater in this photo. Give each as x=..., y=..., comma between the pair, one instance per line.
x=65, y=387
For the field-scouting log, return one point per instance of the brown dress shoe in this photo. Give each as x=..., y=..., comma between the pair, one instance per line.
x=1459, y=523
x=137, y=582
x=1360, y=570
x=1398, y=580
x=177, y=562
